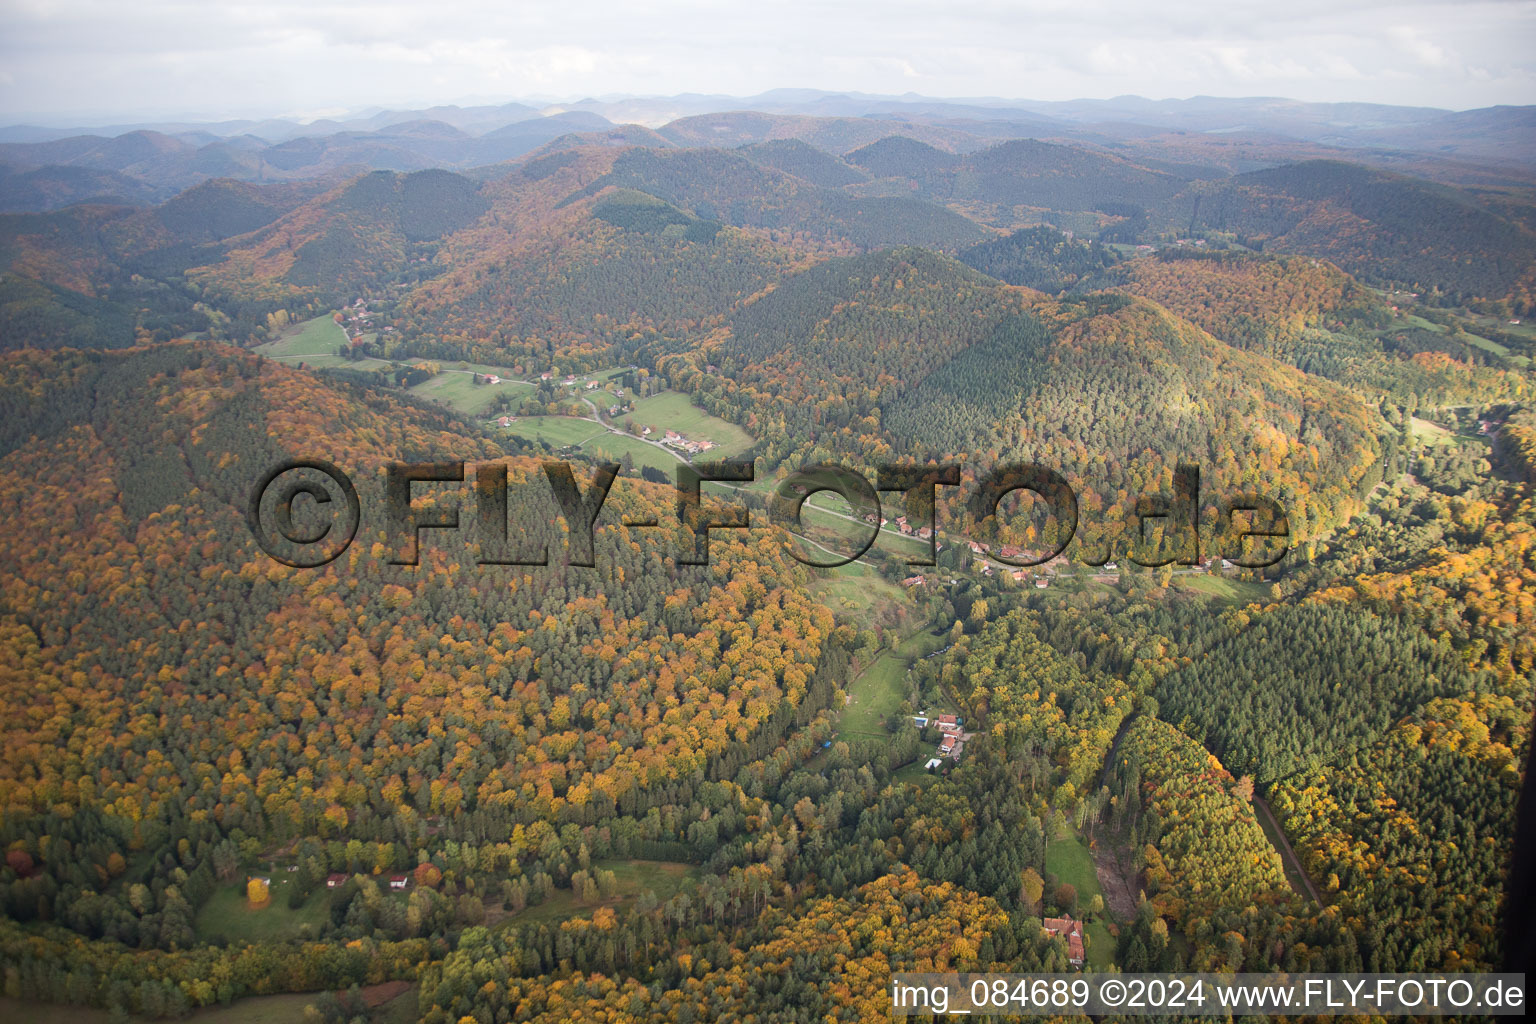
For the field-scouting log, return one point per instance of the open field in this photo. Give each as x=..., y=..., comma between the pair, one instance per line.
x=558, y=431
x=1224, y=588
x=615, y=446
x=459, y=391
x=314, y=343
x=664, y=878
x=1434, y=434
x=228, y=914
x=317, y=337
x=856, y=591
x=672, y=410
x=914, y=773
x=1430, y=433
x=1071, y=862
x=875, y=696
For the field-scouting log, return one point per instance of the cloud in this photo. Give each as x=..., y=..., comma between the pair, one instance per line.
x=61, y=58
x=1412, y=42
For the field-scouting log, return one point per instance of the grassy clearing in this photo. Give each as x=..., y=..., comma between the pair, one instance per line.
x=460, y=393
x=614, y=447
x=1071, y=862
x=672, y=410
x=1223, y=588
x=819, y=515
x=1431, y=433
x=314, y=343
x=489, y=369
x=856, y=592
x=321, y=336
x=25, y=1011
x=663, y=878
x=558, y=431
x=1487, y=345
x=227, y=913
x=874, y=698
x=913, y=773
x=1100, y=949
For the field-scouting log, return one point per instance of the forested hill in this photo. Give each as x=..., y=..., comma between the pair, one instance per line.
x=727, y=186
x=361, y=235
x=171, y=610
x=1381, y=226
x=912, y=354
x=1304, y=311
x=803, y=160
x=1042, y=258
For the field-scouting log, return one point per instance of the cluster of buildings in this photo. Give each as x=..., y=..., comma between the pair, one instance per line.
x=672, y=439
x=952, y=736
x=357, y=322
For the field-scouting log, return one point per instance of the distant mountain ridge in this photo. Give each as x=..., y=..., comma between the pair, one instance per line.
x=1192, y=138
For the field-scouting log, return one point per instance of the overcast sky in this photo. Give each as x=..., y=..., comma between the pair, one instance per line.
x=92, y=60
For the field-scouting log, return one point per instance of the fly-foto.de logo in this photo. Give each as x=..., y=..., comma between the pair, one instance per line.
x=305, y=513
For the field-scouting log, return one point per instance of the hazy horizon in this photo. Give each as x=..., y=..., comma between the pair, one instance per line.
x=547, y=106
x=75, y=62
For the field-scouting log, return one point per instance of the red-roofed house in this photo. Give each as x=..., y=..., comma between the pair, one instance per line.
x=1071, y=931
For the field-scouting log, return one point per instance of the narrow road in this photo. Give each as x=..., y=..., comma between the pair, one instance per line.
x=1285, y=849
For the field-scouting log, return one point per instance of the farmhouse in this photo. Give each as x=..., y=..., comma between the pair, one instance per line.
x=399, y=882
x=335, y=880
x=912, y=581
x=1072, y=932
